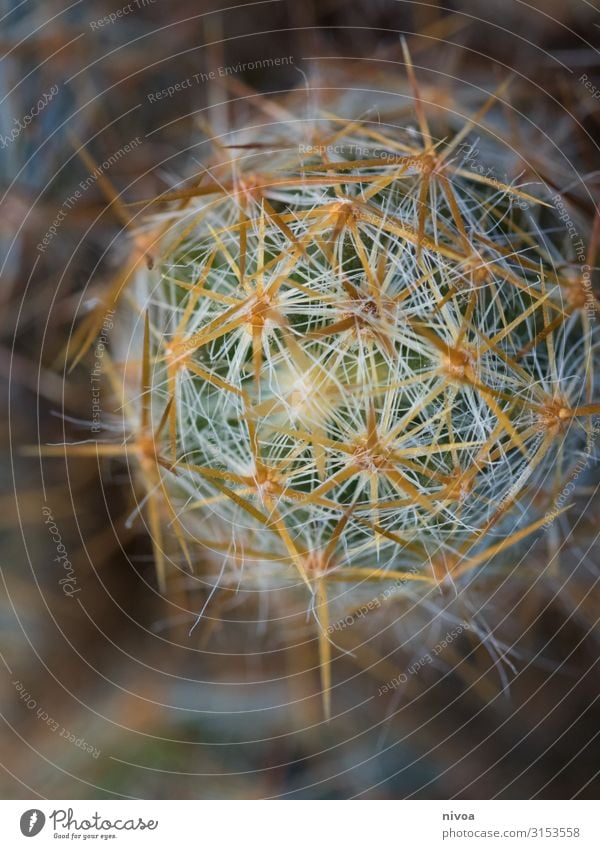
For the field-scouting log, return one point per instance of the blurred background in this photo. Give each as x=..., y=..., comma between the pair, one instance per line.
x=105, y=692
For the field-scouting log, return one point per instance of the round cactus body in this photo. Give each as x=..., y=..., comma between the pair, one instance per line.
x=363, y=356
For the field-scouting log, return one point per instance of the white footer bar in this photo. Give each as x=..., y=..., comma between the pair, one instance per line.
x=300, y=824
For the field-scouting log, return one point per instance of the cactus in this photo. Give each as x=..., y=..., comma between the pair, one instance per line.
x=362, y=359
